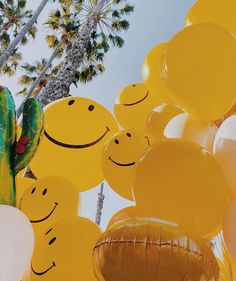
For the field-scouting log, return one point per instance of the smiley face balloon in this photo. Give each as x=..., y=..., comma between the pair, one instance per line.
x=65, y=251
x=119, y=157
x=48, y=200
x=132, y=106
x=76, y=130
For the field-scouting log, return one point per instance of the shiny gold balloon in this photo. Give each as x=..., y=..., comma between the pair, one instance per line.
x=214, y=11
x=198, y=70
x=76, y=130
x=132, y=106
x=181, y=182
x=65, y=251
x=48, y=200
x=159, y=118
x=119, y=157
x=145, y=249
x=151, y=73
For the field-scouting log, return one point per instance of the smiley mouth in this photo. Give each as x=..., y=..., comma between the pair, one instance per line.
x=120, y=164
x=44, y=272
x=75, y=146
x=45, y=218
x=137, y=102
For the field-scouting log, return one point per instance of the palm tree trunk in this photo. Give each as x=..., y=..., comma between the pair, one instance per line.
x=22, y=33
x=59, y=86
x=40, y=77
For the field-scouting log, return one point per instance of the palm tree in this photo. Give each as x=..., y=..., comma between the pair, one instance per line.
x=103, y=21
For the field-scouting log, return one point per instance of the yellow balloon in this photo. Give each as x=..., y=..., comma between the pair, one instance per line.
x=119, y=157
x=76, y=130
x=214, y=11
x=145, y=249
x=65, y=251
x=158, y=119
x=151, y=74
x=187, y=128
x=22, y=184
x=48, y=200
x=132, y=106
x=125, y=214
x=198, y=70
x=181, y=182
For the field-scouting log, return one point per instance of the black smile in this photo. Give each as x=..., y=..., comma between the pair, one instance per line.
x=120, y=164
x=44, y=272
x=52, y=211
x=137, y=102
x=75, y=146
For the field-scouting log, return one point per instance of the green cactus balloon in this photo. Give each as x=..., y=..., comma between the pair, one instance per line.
x=15, y=156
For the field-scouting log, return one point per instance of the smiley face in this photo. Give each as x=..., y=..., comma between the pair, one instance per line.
x=47, y=200
x=119, y=157
x=132, y=106
x=76, y=130
x=64, y=252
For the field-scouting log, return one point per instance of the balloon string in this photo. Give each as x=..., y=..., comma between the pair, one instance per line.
x=100, y=203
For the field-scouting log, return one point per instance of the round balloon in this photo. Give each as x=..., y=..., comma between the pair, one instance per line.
x=158, y=119
x=16, y=228
x=125, y=214
x=6, y=256
x=119, y=157
x=198, y=70
x=144, y=249
x=65, y=251
x=225, y=150
x=151, y=73
x=213, y=11
x=48, y=200
x=76, y=130
x=132, y=106
x=187, y=128
x=229, y=228
x=181, y=182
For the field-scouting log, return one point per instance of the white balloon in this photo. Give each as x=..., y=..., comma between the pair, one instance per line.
x=224, y=150
x=6, y=256
x=16, y=228
x=184, y=127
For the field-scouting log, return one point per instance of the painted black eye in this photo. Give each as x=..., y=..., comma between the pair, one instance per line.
x=71, y=102
x=48, y=231
x=116, y=141
x=134, y=85
x=33, y=190
x=45, y=191
x=52, y=241
x=128, y=135
x=91, y=107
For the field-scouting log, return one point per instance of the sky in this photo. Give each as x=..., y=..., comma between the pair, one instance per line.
x=153, y=22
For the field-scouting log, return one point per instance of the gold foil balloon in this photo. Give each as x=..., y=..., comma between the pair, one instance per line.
x=181, y=182
x=76, y=130
x=151, y=73
x=213, y=11
x=159, y=118
x=198, y=70
x=65, y=251
x=132, y=106
x=48, y=200
x=145, y=249
x=119, y=157
x=187, y=128
x=225, y=150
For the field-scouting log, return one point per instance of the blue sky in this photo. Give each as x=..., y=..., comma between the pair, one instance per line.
x=153, y=22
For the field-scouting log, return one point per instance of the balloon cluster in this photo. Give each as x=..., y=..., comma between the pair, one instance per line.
x=173, y=156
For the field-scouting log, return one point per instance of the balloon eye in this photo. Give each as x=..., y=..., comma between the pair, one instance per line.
x=116, y=141
x=33, y=190
x=91, y=107
x=128, y=135
x=52, y=241
x=71, y=102
x=45, y=191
